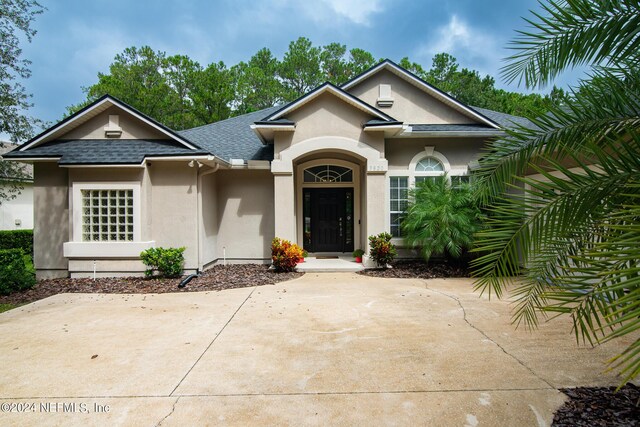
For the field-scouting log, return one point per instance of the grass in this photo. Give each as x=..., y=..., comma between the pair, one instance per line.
x=7, y=307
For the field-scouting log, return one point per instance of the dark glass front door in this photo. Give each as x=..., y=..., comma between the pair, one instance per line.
x=328, y=219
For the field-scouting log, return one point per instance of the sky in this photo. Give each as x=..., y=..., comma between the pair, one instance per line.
x=76, y=39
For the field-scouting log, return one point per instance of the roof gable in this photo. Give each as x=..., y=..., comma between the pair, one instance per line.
x=425, y=87
x=334, y=90
x=94, y=109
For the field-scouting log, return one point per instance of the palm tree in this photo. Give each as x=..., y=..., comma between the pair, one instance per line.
x=563, y=193
x=441, y=218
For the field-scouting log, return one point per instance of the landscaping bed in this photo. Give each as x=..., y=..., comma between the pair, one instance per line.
x=215, y=279
x=420, y=269
x=599, y=406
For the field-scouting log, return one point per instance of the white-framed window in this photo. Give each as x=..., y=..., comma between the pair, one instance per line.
x=427, y=164
x=106, y=212
x=399, y=197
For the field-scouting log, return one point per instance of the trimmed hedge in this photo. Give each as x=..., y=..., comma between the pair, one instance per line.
x=16, y=271
x=13, y=239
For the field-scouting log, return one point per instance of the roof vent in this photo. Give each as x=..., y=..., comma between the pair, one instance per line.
x=113, y=129
x=385, y=99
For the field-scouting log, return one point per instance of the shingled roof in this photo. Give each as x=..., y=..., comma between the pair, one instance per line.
x=233, y=138
x=105, y=151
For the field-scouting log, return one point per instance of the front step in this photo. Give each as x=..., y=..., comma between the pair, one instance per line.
x=330, y=265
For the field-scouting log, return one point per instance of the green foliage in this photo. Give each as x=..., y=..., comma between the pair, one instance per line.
x=358, y=253
x=16, y=271
x=167, y=261
x=441, y=219
x=16, y=19
x=573, y=226
x=381, y=250
x=14, y=239
x=181, y=93
x=285, y=255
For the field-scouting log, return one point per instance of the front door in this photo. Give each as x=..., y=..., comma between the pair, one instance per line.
x=328, y=219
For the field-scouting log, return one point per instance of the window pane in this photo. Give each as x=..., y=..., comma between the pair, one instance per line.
x=398, y=188
x=104, y=217
x=328, y=174
x=429, y=164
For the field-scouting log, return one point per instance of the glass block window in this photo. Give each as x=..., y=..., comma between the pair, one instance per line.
x=328, y=174
x=107, y=215
x=429, y=164
x=399, y=187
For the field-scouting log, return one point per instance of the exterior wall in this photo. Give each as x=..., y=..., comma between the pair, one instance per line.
x=174, y=208
x=208, y=219
x=459, y=151
x=51, y=219
x=19, y=209
x=324, y=116
x=132, y=128
x=245, y=214
x=410, y=104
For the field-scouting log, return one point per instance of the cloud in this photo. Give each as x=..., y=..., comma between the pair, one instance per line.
x=356, y=11
x=477, y=48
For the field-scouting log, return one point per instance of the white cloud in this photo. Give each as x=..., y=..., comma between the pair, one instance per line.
x=473, y=47
x=356, y=11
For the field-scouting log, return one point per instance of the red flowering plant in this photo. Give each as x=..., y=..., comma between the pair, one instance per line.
x=285, y=255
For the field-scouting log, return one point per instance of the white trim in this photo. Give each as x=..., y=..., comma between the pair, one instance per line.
x=289, y=128
x=112, y=165
x=33, y=159
x=334, y=90
x=42, y=138
x=375, y=164
x=100, y=250
x=76, y=191
x=410, y=133
x=382, y=127
x=401, y=72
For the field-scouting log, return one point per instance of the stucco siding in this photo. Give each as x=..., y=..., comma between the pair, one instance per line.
x=325, y=116
x=51, y=219
x=410, y=104
x=173, y=209
x=245, y=214
x=18, y=210
x=132, y=128
x=459, y=152
x=209, y=219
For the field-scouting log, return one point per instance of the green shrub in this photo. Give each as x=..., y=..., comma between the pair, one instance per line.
x=16, y=271
x=167, y=261
x=13, y=239
x=285, y=255
x=382, y=251
x=441, y=219
x=358, y=253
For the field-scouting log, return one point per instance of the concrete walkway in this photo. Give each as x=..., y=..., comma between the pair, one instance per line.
x=329, y=265
x=325, y=349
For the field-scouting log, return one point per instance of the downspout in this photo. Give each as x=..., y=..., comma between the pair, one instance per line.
x=199, y=217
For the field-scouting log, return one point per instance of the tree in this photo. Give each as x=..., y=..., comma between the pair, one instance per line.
x=441, y=218
x=16, y=17
x=300, y=69
x=256, y=83
x=571, y=232
x=359, y=61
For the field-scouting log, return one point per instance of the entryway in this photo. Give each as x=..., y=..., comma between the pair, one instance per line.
x=328, y=219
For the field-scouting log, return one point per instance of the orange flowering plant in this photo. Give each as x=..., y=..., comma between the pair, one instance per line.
x=284, y=254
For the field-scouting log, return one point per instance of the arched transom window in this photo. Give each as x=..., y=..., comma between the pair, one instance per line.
x=429, y=164
x=328, y=174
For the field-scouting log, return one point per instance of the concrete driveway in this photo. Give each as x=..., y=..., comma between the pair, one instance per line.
x=323, y=349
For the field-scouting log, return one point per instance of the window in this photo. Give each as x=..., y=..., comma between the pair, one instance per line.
x=429, y=164
x=328, y=174
x=107, y=215
x=399, y=196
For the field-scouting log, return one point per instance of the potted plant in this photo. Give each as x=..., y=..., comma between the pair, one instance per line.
x=357, y=254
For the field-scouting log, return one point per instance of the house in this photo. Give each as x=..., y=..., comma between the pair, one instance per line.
x=16, y=211
x=325, y=171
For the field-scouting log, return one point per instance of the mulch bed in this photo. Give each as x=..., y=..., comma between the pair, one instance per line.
x=420, y=269
x=599, y=406
x=215, y=279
